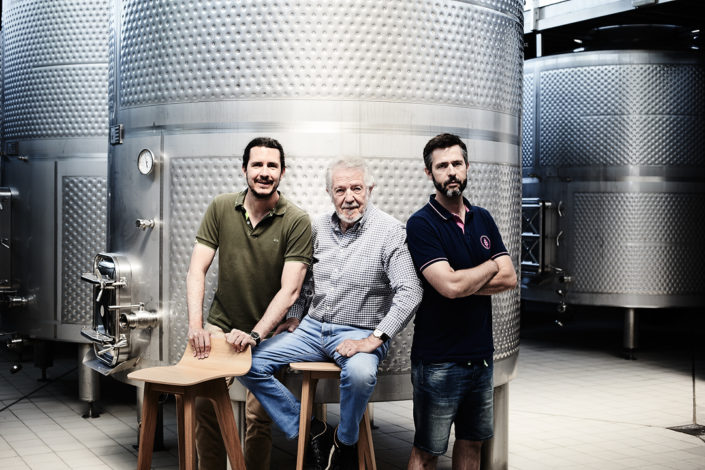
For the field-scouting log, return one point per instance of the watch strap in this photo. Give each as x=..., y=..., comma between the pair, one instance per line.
x=381, y=335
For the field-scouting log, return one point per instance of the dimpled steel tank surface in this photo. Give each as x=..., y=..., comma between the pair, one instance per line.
x=55, y=125
x=614, y=140
x=192, y=83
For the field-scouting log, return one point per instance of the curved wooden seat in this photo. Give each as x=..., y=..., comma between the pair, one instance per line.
x=312, y=372
x=223, y=361
x=188, y=379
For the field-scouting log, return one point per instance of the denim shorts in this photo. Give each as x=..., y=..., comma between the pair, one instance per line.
x=447, y=393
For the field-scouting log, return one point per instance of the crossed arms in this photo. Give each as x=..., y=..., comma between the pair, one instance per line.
x=492, y=276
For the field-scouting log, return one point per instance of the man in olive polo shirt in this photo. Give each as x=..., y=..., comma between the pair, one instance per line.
x=264, y=249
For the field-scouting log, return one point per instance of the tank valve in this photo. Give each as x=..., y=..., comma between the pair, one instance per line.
x=16, y=301
x=140, y=319
x=16, y=344
x=144, y=224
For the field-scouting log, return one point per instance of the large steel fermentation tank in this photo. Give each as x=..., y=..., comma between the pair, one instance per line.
x=192, y=83
x=55, y=127
x=614, y=179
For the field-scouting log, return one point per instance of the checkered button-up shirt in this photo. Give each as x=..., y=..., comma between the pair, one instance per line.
x=364, y=277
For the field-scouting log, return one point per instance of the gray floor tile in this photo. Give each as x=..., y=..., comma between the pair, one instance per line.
x=575, y=404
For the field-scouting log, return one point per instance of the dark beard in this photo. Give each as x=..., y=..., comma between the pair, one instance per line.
x=443, y=187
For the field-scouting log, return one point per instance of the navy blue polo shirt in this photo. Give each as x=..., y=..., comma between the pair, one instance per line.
x=452, y=330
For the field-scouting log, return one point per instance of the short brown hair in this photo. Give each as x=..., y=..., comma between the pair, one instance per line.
x=443, y=141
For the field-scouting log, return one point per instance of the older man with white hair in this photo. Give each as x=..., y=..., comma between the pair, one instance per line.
x=363, y=289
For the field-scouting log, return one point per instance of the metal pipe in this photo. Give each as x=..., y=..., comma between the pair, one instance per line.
x=495, y=452
x=88, y=381
x=140, y=319
x=18, y=301
x=631, y=333
x=88, y=384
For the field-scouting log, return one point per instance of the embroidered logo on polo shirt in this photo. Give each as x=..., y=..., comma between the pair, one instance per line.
x=485, y=241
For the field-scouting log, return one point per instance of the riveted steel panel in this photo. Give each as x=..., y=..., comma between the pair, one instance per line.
x=55, y=71
x=619, y=156
x=497, y=188
x=528, y=120
x=626, y=114
x=401, y=188
x=195, y=182
x=625, y=243
x=2, y=91
x=327, y=79
x=392, y=50
x=55, y=68
x=84, y=201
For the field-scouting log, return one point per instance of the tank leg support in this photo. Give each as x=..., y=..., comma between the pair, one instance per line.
x=631, y=333
x=495, y=452
x=43, y=357
x=88, y=383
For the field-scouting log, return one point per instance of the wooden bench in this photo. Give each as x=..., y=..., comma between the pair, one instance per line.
x=191, y=378
x=312, y=372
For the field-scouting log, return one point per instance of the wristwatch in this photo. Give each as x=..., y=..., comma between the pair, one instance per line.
x=254, y=335
x=380, y=335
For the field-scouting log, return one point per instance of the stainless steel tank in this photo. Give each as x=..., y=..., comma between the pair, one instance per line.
x=191, y=84
x=6, y=284
x=614, y=178
x=55, y=127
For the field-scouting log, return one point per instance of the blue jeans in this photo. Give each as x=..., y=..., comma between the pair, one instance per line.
x=447, y=393
x=314, y=341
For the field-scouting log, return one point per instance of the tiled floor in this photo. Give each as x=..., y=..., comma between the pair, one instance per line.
x=576, y=404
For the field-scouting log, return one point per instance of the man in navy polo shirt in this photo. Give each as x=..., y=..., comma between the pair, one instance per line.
x=459, y=252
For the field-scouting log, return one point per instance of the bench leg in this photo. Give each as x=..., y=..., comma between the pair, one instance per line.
x=189, y=442
x=149, y=425
x=365, y=447
x=308, y=390
x=218, y=394
x=180, y=428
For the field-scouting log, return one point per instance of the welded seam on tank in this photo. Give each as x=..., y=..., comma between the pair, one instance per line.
x=69, y=65
x=518, y=15
x=244, y=127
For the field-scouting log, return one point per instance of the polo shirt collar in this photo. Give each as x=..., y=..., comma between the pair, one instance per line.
x=444, y=213
x=279, y=208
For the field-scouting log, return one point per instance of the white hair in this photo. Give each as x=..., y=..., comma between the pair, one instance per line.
x=349, y=163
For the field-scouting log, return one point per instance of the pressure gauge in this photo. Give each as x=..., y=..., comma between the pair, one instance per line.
x=145, y=162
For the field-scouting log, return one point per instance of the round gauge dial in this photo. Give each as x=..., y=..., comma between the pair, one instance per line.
x=145, y=162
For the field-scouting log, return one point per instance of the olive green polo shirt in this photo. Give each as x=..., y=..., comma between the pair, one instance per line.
x=251, y=260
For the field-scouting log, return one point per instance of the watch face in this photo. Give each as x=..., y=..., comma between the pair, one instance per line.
x=145, y=162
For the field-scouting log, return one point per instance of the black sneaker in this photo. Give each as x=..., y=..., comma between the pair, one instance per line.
x=342, y=457
x=320, y=443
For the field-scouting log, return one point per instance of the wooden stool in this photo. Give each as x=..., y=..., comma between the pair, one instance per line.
x=312, y=371
x=191, y=378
